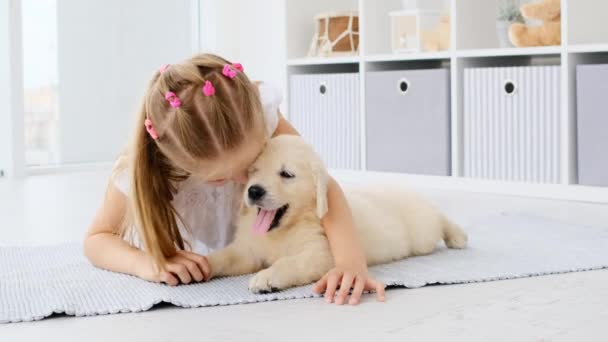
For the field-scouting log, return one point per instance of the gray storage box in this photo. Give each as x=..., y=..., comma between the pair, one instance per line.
x=324, y=108
x=592, y=123
x=408, y=121
x=511, y=126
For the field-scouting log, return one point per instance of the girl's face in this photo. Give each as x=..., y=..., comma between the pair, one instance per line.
x=232, y=166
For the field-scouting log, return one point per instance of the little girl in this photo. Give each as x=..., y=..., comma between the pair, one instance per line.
x=175, y=193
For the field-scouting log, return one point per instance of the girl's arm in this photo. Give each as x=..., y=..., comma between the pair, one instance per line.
x=106, y=249
x=351, y=264
x=102, y=245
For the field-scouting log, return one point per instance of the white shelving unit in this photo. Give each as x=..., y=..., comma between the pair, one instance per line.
x=474, y=43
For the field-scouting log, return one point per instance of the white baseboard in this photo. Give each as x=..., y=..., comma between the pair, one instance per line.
x=69, y=168
x=549, y=191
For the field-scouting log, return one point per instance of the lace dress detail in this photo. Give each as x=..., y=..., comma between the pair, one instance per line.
x=208, y=213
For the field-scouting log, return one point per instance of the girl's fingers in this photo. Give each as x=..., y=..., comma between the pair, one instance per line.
x=347, y=283
x=332, y=284
x=372, y=285
x=181, y=271
x=168, y=278
x=193, y=268
x=355, y=296
x=320, y=285
x=200, y=261
x=203, y=263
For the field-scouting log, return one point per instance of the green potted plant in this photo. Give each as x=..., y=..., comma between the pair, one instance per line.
x=508, y=13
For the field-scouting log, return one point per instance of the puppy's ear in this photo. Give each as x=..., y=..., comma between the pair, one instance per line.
x=321, y=178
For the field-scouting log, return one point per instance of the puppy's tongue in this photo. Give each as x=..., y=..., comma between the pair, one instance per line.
x=263, y=221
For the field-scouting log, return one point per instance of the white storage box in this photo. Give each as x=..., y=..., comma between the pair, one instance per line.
x=512, y=123
x=408, y=121
x=592, y=124
x=325, y=110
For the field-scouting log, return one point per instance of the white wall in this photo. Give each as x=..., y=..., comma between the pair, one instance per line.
x=251, y=32
x=11, y=119
x=108, y=50
x=5, y=119
x=583, y=19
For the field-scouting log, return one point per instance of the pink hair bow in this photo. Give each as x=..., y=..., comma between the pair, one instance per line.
x=164, y=68
x=228, y=71
x=150, y=128
x=174, y=101
x=238, y=66
x=231, y=69
x=208, y=89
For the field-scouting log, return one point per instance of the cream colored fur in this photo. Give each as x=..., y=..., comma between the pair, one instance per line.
x=392, y=223
x=548, y=33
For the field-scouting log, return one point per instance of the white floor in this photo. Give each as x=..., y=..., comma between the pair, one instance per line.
x=569, y=307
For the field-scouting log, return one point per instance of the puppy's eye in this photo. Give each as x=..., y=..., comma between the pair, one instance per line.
x=286, y=174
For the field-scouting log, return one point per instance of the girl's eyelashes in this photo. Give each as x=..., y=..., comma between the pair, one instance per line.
x=216, y=182
x=286, y=174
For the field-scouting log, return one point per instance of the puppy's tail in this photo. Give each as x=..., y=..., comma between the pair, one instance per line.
x=453, y=235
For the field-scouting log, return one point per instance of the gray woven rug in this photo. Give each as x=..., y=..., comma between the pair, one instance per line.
x=36, y=282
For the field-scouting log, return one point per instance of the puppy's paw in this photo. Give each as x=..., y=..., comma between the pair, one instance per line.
x=264, y=281
x=457, y=241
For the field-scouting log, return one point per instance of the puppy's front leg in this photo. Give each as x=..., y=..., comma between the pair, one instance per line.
x=294, y=270
x=235, y=259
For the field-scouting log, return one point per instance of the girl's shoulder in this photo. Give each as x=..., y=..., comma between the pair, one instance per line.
x=269, y=94
x=271, y=98
x=120, y=173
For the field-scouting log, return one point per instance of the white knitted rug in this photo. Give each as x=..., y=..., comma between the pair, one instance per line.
x=36, y=282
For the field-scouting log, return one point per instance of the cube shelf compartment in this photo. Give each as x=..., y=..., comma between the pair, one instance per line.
x=561, y=170
x=511, y=123
x=329, y=101
x=592, y=124
x=409, y=130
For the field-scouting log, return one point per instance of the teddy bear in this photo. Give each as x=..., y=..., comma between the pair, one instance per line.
x=548, y=33
x=438, y=38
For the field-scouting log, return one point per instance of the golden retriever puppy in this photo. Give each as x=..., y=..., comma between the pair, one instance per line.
x=279, y=229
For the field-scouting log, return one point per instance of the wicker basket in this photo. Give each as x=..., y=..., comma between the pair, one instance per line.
x=337, y=34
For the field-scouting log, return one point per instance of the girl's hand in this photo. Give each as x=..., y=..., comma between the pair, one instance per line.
x=347, y=279
x=185, y=267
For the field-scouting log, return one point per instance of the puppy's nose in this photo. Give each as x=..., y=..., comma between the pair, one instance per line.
x=256, y=192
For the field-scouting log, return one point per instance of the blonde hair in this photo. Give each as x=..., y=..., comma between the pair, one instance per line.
x=201, y=129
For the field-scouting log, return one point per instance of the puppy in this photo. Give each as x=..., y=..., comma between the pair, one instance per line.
x=279, y=230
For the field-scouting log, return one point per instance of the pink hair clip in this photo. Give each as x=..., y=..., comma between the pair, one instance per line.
x=174, y=101
x=238, y=66
x=231, y=69
x=228, y=71
x=150, y=128
x=164, y=68
x=208, y=89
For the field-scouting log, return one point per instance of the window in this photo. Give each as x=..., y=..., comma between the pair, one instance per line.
x=85, y=67
x=40, y=81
